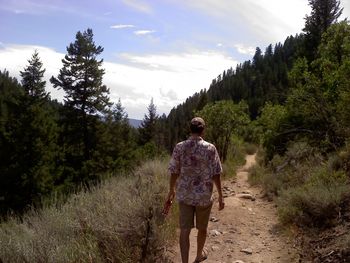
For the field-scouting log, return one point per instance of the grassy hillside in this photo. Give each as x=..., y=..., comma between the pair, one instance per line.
x=119, y=221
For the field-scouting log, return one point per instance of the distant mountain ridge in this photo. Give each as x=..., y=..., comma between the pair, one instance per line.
x=135, y=123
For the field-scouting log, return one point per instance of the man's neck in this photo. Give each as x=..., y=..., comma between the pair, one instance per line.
x=196, y=136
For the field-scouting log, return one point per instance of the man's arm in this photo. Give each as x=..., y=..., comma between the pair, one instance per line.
x=217, y=181
x=172, y=184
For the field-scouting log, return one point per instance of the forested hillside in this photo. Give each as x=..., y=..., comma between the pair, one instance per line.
x=51, y=149
x=265, y=78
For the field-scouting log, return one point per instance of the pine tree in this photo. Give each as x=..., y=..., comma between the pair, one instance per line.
x=149, y=124
x=32, y=78
x=36, y=136
x=119, y=114
x=81, y=79
x=323, y=14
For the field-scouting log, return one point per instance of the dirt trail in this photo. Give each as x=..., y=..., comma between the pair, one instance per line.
x=247, y=229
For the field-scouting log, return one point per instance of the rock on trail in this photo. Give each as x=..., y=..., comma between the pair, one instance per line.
x=247, y=230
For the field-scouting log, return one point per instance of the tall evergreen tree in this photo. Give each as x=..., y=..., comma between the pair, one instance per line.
x=81, y=79
x=148, y=127
x=32, y=78
x=323, y=14
x=37, y=134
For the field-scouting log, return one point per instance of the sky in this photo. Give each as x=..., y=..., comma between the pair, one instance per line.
x=161, y=49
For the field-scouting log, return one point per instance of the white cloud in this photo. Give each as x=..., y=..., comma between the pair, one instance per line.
x=346, y=11
x=15, y=57
x=268, y=20
x=169, y=78
x=245, y=49
x=121, y=26
x=144, y=32
x=139, y=5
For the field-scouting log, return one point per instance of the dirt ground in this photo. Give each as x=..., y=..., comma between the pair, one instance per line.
x=247, y=230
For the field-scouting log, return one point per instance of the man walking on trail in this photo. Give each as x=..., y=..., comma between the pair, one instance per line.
x=194, y=167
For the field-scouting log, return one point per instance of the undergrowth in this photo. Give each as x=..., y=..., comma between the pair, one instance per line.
x=118, y=221
x=236, y=156
x=310, y=189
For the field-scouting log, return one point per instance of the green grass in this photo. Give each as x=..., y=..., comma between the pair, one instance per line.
x=110, y=223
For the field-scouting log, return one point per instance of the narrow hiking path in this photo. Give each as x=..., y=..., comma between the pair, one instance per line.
x=246, y=230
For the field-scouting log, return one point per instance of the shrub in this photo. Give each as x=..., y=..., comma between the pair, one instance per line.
x=235, y=158
x=119, y=221
x=256, y=174
x=344, y=157
x=317, y=202
x=250, y=148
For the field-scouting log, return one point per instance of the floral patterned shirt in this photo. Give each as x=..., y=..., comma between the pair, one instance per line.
x=196, y=162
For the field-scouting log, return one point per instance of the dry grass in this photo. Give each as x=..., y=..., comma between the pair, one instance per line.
x=119, y=221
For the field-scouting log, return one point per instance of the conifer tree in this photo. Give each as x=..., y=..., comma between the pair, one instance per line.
x=149, y=124
x=32, y=78
x=37, y=134
x=324, y=13
x=81, y=79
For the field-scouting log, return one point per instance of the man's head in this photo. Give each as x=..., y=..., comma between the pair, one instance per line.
x=197, y=125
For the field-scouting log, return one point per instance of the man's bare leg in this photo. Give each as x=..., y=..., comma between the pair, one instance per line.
x=201, y=237
x=185, y=244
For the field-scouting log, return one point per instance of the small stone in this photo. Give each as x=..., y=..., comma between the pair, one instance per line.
x=214, y=219
x=214, y=248
x=238, y=261
x=246, y=196
x=247, y=251
x=215, y=233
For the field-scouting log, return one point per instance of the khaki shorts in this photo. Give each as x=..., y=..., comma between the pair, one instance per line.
x=188, y=212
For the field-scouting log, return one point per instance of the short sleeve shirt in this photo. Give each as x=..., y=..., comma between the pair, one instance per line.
x=196, y=162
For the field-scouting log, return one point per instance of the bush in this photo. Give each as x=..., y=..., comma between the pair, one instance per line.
x=119, y=221
x=235, y=158
x=317, y=202
x=256, y=174
x=340, y=160
x=250, y=148
x=344, y=157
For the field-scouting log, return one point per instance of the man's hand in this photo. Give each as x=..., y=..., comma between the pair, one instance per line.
x=168, y=203
x=171, y=195
x=221, y=203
